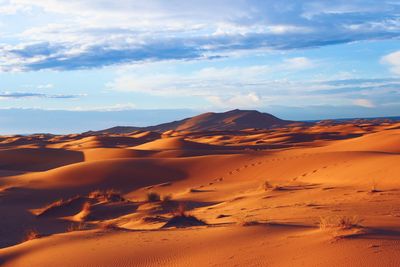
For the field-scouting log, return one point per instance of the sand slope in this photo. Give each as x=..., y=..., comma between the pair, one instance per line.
x=268, y=198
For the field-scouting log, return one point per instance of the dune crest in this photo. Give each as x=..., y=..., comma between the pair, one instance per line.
x=213, y=190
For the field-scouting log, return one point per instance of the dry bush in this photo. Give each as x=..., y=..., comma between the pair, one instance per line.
x=181, y=219
x=248, y=223
x=181, y=210
x=109, y=225
x=167, y=198
x=87, y=207
x=95, y=194
x=31, y=234
x=77, y=227
x=247, y=220
x=110, y=195
x=153, y=197
x=267, y=186
x=340, y=222
x=374, y=187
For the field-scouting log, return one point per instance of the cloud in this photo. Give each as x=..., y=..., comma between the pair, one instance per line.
x=393, y=60
x=94, y=34
x=20, y=95
x=255, y=85
x=250, y=100
x=298, y=63
x=209, y=81
x=115, y=107
x=364, y=103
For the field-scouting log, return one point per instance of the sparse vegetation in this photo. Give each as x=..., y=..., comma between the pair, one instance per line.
x=340, y=222
x=110, y=195
x=181, y=219
x=109, y=225
x=267, y=186
x=153, y=197
x=77, y=227
x=374, y=187
x=31, y=234
x=167, y=198
x=248, y=223
x=181, y=210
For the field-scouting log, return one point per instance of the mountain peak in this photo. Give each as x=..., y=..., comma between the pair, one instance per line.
x=231, y=120
x=235, y=119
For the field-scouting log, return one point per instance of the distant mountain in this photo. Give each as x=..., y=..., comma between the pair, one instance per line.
x=230, y=120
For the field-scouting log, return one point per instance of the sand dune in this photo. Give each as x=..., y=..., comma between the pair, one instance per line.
x=37, y=159
x=176, y=143
x=316, y=195
x=384, y=141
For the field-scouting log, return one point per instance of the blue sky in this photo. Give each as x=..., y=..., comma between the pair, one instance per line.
x=297, y=59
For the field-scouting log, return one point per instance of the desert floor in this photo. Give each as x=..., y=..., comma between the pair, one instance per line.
x=321, y=195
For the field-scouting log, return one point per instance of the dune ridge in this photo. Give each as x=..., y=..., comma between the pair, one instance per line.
x=223, y=197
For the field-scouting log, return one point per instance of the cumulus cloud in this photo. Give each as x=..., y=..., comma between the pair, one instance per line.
x=93, y=34
x=393, y=60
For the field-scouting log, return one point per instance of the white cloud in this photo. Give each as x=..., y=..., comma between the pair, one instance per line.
x=393, y=60
x=209, y=81
x=116, y=107
x=93, y=34
x=298, y=63
x=364, y=103
x=250, y=100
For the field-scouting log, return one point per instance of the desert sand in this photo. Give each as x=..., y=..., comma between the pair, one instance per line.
x=320, y=194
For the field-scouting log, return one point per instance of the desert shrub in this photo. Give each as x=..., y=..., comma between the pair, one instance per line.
x=180, y=210
x=77, y=227
x=110, y=195
x=153, y=197
x=31, y=234
x=167, y=198
x=249, y=223
x=86, y=207
x=95, y=194
x=181, y=219
x=374, y=187
x=267, y=186
x=270, y=187
x=340, y=222
x=108, y=226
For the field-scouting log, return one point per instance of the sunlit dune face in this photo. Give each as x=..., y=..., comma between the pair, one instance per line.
x=166, y=196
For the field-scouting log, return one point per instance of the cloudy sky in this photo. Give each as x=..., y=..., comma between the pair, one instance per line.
x=298, y=59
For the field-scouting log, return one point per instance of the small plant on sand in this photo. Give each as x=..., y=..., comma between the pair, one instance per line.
x=108, y=225
x=270, y=187
x=181, y=219
x=181, y=210
x=31, y=234
x=246, y=220
x=340, y=222
x=267, y=186
x=153, y=197
x=374, y=187
x=167, y=198
x=77, y=227
x=110, y=195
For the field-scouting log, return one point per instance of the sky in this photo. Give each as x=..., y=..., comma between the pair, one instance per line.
x=83, y=60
